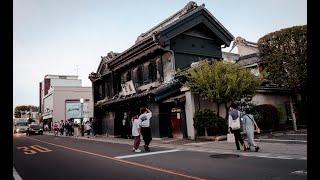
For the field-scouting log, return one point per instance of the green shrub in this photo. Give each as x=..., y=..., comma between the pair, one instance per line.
x=267, y=116
x=206, y=118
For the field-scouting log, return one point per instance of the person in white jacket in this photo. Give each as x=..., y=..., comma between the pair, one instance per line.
x=145, y=117
x=87, y=127
x=136, y=133
x=234, y=126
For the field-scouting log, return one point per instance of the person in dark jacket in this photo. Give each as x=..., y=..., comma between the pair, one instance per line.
x=61, y=127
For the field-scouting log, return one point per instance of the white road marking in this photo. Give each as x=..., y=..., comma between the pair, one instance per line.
x=146, y=154
x=274, y=156
x=16, y=175
x=300, y=172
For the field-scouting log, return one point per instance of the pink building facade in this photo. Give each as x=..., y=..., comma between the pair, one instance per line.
x=63, y=103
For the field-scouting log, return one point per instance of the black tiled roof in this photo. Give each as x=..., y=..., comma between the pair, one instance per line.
x=249, y=59
x=172, y=85
x=150, y=38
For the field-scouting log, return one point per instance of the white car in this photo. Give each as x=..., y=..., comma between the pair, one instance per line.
x=20, y=127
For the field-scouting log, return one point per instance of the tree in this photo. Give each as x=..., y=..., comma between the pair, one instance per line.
x=207, y=120
x=221, y=82
x=18, y=109
x=284, y=53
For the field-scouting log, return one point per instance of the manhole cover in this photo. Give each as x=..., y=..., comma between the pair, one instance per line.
x=224, y=156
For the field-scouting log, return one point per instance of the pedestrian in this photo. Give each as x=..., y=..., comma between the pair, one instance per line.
x=76, y=129
x=67, y=126
x=56, y=128
x=46, y=127
x=249, y=124
x=94, y=127
x=71, y=128
x=61, y=128
x=88, y=128
x=144, y=118
x=234, y=126
x=136, y=133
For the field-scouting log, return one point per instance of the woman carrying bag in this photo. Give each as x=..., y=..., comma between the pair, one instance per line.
x=249, y=123
x=235, y=127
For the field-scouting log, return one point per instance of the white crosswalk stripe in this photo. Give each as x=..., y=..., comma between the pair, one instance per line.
x=146, y=154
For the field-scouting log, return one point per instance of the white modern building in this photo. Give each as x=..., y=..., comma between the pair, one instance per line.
x=60, y=99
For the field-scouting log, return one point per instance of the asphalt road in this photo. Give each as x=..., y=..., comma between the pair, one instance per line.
x=49, y=157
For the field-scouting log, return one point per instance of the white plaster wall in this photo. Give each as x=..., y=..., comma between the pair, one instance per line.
x=189, y=110
x=66, y=82
x=61, y=94
x=48, y=102
x=168, y=70
x=245, y=50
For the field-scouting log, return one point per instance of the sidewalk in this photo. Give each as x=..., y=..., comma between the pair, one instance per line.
x=268, y=150
x=289, y=136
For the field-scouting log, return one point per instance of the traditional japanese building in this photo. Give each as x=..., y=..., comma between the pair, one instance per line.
x=145, y=74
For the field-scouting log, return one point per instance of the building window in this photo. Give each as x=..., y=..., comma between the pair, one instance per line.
x=128, y=76
x=123, y=78
x=109, y=93
x=100, y=91
x=140, y=75
x=152, y=67
x=146, y=78
x=159, y=69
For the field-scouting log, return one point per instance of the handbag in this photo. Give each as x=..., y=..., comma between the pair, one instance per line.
x=258, y=129
x=235, y=124
x=230, y=138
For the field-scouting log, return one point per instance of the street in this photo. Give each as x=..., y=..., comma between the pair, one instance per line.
x=49, y=157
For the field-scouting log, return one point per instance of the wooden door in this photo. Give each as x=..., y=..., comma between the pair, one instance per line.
x=176, y=124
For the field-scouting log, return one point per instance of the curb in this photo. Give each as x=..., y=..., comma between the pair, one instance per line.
x=213, y=138
x=284, y=141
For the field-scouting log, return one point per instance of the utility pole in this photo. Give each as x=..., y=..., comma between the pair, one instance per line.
x=77, y=69
x=294, y=121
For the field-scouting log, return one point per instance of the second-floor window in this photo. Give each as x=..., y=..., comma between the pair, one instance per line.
x=140, y=75
x=152, y=70
x=128, y=75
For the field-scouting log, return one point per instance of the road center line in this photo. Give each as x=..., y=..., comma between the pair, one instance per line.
x=122, y=161
x=146, y=154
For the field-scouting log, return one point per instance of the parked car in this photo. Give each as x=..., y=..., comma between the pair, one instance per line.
x=20, y=127
x=34, y=129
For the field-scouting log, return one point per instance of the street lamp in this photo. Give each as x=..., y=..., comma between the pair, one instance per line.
x=81, y=123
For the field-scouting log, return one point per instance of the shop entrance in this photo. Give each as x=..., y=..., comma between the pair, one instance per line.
x=176, y=123
x=172, y=120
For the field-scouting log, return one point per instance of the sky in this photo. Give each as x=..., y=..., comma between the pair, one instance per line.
x=67, y=37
